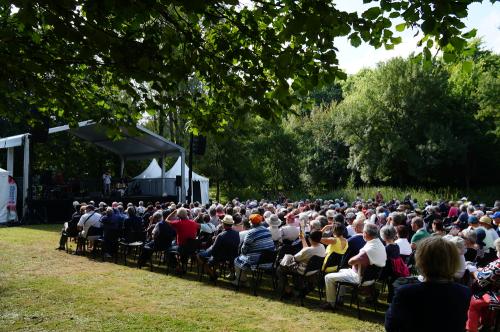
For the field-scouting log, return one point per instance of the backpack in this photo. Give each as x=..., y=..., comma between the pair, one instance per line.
x=399, y=268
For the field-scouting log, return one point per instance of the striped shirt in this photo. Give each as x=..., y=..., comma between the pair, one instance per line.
x=257, y=240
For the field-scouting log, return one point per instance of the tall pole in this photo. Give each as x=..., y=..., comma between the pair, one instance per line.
x=26, y=178
x=190, y=190
x=183, y=176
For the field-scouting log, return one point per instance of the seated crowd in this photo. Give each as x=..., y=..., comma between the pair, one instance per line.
x=452, y=249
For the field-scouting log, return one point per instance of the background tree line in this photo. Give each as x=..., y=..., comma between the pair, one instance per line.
x=400, y=124
x=404, y=123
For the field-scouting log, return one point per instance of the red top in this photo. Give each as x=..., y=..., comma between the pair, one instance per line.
x=185, y=229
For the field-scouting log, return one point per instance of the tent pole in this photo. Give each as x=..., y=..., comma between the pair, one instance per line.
x=122, y=166
x=26, y=173
x=190, y=190
x=10, y=161
x=183, y=176
x=162, y=164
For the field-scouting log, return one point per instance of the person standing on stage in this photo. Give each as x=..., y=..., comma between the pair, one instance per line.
x=106, y=178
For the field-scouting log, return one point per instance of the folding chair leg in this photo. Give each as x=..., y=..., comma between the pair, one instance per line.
x=255, y=279
x=357, y=303
x=239, y=280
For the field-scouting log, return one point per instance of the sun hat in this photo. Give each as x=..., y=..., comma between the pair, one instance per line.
x=486, y=220
x=228, y=220
x=330, y=213
x=274, y=221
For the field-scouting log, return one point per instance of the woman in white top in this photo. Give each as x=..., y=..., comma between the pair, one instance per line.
x=402, y=241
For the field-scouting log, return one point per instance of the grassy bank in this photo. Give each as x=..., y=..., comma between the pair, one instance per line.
x=486, y=195
x=42, y=289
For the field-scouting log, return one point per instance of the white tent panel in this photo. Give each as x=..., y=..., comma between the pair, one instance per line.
x=204, y=182
x=4, y=195
x=153, y=171
x=176, y=171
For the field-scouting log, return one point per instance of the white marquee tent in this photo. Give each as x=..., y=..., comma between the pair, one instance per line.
x=4, y=195
x=153, y=171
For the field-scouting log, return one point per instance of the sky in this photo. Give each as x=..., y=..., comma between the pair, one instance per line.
x=485, y=17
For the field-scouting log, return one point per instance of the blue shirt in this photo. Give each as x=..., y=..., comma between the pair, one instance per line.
x=225, y=246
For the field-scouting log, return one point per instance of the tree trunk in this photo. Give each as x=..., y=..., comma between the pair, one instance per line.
x=217, y=194
x=161, y=123
x=171, y=126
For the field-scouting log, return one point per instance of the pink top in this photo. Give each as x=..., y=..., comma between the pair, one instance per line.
x=453, y=212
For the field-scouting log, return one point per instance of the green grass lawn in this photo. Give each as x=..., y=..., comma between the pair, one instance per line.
x=42, y=289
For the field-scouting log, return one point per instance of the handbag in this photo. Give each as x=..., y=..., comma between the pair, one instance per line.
x=288, y=263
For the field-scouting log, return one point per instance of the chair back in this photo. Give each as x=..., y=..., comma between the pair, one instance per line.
x=191, y=246
x=372, y=272
x=288, y=248
x=267, y=257
x=332, y=260
x=315, y=263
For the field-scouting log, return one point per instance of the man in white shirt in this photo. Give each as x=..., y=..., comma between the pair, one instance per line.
x=402, y=241
x=373, y=253
x=90, y=219
x=349, y=218
x=106, y=179
x=290, y=232
x=491, y=235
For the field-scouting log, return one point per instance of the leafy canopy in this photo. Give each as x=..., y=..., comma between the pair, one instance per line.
x=112, y=60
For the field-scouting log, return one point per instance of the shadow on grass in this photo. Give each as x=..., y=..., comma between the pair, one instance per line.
x=51, y=228
x=265, y=289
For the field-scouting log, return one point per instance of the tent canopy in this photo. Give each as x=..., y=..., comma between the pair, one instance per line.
x=135, y=143
x=12, y=141
x=153, y=171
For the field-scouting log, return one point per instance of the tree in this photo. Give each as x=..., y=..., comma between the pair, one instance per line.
x=402, y=126
x=70, y=59
x=322, y=155
x=476, y=93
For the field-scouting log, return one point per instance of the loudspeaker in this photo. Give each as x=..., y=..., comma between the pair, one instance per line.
x=178, y=181
x=39, y=134
x=40, y=129
x=199, y=145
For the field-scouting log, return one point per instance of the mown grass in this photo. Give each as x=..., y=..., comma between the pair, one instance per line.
x=42, y=289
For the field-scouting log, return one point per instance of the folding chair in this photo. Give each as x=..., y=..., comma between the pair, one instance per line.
x=367, y=282
x=313, y=269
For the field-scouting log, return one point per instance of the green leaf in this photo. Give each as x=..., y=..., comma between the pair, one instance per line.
x=470, y=34
x=427, y=54
x=449, y=57
x=355, y=40
x=372, y=13
x=401, y=27
x=396, y=40
x=428, y=26
x=467, y=66
x=458, y=43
